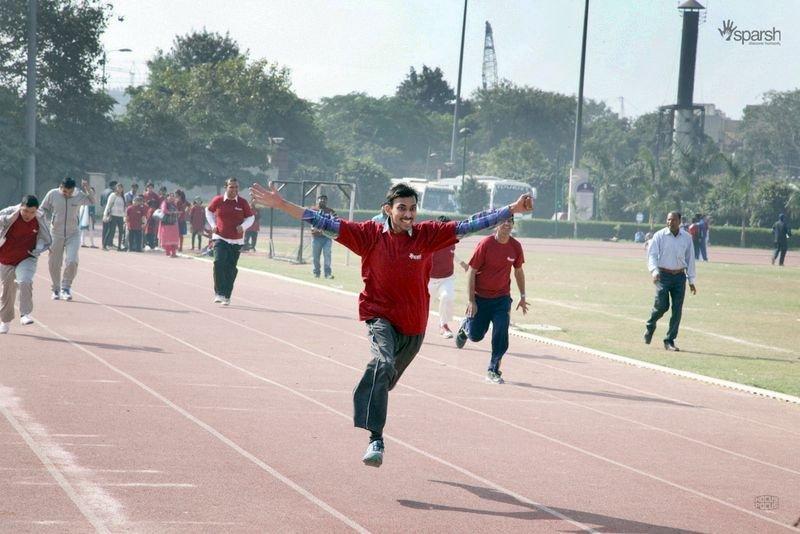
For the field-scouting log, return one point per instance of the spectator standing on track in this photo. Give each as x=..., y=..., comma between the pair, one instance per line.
x=321, y=244
x=670, y=261
x=183, y=207
x=114, y=218
x=694, y=231
x=395, y=267
x=135, y=219
x=85, y=226
x=251, y=235
x=489, y=293
x=442, y=283
x=229, y=216
x=168, y=231
x=60, y=207
x=132, y=194
x=152, y=202
x=112, y=186
x=702, y=236
x=23, y=237
x=781, y=233
x=197, y=220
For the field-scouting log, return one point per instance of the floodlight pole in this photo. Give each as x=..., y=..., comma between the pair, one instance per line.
x=458, y=86
x=29, y=180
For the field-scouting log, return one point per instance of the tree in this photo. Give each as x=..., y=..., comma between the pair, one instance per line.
x=472, y=196
x=392, y=132
x=771, y=198
x=372, y=181
x=199, y=48
x=738, y=182
x=199, y=123
x=771, y=133
x=74, y=130
x=651, y=180
x=429, y=90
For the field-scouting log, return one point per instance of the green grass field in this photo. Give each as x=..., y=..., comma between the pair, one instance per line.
x=742, y=326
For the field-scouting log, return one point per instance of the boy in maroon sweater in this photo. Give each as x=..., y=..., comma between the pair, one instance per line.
x=135, y=219
x=395, y=266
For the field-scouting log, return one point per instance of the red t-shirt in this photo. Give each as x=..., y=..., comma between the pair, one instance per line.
x=134, y=215
x=396, y=270
x=197, y=218
x=493, y=261
x=20, y=240
x=443, y=262
x=230, y=214
x=181, y=205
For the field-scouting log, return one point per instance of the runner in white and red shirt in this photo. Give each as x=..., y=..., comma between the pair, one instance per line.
x=442, y=283
x=395, y=267
x=229, y=216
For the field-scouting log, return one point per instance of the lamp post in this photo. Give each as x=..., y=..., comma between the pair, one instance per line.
x=105, y=58
x=458, y=85
x=465, y=132
x=29, y=180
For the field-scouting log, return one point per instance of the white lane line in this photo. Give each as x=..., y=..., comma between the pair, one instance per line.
x=474, y=476
x=88, y=498
x=118, y=484
x=208, y=428
x=421, y=392
x=557, y=398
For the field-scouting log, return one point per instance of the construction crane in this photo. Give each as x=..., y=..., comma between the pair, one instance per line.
x=489, y=74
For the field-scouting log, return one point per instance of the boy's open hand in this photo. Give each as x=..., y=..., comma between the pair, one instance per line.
x=266, y=197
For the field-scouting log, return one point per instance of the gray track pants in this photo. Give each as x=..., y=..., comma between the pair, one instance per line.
x=391, y=352
x=12, y=276
x=64, y=251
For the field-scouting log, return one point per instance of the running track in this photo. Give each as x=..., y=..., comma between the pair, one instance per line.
x=142, y=407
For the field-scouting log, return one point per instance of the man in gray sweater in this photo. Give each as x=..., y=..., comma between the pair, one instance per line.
x=61, y=207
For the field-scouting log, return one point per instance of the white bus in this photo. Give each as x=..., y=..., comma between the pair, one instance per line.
x=433, y=196
x=501, y=192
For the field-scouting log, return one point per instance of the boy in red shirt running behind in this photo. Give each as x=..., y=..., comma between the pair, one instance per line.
x=395, y=266
x=489, y=293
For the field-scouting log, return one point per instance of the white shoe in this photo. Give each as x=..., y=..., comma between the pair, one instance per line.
x=226, y=302
x=26, y=319
x=374, y=455
x=55, y=295
x=218, y=299
x=66, y=294
x=445, y=332
x=3, y=328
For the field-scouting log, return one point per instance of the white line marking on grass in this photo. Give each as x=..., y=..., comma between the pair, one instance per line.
x=417, y=390
x=293, y=391
x=208, y=428
x=689, y=328
x=91, y=500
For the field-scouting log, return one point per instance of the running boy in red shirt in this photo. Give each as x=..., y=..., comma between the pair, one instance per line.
x=395, y=266
x=489, y=293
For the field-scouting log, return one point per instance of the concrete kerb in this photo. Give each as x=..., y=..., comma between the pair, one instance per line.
x=563, y=344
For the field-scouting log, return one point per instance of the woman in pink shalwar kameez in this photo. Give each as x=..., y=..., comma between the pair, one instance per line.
x=168, y=234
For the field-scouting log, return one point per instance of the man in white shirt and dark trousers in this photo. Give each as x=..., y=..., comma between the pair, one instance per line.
x=670, y=260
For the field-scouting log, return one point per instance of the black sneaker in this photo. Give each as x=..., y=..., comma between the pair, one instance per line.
x=374, y=455
x=670, y=346
x=648, y=336
x=461, y=338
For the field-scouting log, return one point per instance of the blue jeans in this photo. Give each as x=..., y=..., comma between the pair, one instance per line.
x=669, y=287
x=496, y=311
x=321, y=244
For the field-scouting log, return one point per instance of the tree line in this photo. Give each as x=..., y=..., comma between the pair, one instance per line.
x=208, y=110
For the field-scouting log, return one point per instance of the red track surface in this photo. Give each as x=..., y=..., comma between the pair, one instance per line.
x=142, y=407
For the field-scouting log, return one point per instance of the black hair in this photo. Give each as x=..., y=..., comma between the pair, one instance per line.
x=68, y=183
x=134, y=184
x=400, y=190
x=30, y=201
x=112, y=184
x=230, y=180
x=443, y=218
x=322, y=196
x=676, y=213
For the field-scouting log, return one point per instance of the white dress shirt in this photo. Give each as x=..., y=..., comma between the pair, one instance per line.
x=673, y=252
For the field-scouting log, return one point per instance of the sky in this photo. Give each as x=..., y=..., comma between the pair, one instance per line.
x=340, y=46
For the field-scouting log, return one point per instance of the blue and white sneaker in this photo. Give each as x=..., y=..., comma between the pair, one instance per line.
x=66, y=294
x=461, y=336
x=374, y=455
x=495, y=377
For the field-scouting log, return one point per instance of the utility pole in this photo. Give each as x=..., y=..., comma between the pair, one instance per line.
x=458, y=86
x=577, y=175
x=29, y=180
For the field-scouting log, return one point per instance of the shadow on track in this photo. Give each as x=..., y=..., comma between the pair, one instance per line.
x=601, y=523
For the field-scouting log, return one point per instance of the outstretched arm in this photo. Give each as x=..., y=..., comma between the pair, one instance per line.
x=271, y=198
x=519, y=276
x=488, y=219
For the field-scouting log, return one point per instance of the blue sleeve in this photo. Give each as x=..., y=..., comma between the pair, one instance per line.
x=483, y=220
x=327, y=224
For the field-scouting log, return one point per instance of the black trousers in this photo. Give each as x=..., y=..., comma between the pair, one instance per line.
x=226, y=256
x=669, y=287
x=392, y=352
x=115, y=224
x=780, y=252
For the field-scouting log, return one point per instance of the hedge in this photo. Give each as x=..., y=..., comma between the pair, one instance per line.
x=728, y=236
